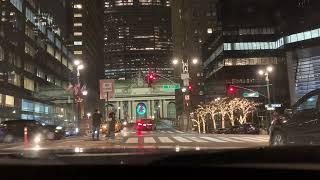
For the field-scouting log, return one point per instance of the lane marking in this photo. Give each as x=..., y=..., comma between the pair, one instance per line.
x=170, y=132
x=132, y=141
x=165, y=140
x=212, y=139
x=197, y=139
x=181, y=139
x=149, y=140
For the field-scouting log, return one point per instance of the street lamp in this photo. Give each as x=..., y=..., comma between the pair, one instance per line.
x=80, y=67
x=195, y=61
x=175, y=61
x=77, y=62
x=85, y=93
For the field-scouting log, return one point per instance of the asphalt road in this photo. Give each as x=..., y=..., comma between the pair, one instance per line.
x=165, y=138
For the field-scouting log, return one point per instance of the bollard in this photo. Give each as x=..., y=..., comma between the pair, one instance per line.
x=25, y=136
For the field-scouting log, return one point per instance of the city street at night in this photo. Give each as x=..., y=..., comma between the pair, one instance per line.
x=165, y=138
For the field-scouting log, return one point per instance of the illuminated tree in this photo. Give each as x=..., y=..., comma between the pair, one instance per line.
x=246, y=107
x=213, y=109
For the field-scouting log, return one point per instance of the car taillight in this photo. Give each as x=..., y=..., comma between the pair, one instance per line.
x=139, y=124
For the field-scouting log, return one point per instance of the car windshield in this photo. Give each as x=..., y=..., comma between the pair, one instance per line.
x=193, y=75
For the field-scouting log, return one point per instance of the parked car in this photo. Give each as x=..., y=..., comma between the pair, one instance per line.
x=145, y=125
x=298, y=125
x=13, y=131
x=53, y=132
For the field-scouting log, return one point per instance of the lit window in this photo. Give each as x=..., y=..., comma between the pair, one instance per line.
x=77, y=6
x=77, y=15
x=9, y=101
x=28, y=84
x=77, y=24
x=77, y=52
x=77, y=43
x=77, y=33
x=209, y=30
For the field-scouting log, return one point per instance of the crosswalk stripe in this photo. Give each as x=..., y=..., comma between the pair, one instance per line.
x=212, y=139
x=247, y=139
x=149, y=140
x=263, y=138
x=197, y=139
x=181, y=139
x=256, y=139
x=165, y=140
x=229, y=139
x=179, y=131
x=132, y=140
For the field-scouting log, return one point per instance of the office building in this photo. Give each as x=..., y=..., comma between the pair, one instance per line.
x=35, y=65
x=137, y=38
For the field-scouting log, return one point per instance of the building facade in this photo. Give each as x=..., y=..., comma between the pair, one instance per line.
x=35, y=66
x=86, y=41
x=246, y=41
x=135, y=100
x=282, y=35
x=137, y=38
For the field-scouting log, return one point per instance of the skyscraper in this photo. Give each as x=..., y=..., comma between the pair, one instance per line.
x=137, y=38
x=87, y=45
x=193, y=21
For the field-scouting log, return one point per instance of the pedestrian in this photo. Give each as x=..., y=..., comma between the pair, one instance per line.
x=96, y=122
x=112, y=124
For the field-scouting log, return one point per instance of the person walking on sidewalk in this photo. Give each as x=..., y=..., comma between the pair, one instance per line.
x=96, y=122
x=112, y=124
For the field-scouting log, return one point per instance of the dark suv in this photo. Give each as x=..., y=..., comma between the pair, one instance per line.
x=13, y=130
x=300, y=124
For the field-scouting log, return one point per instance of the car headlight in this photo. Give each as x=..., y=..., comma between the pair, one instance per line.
x=124, y=123
x=37, y=139
x=58, y=127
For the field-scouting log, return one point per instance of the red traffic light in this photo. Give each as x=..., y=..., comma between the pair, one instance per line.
x=190, y=87
x=150, y=78
x=231, y=89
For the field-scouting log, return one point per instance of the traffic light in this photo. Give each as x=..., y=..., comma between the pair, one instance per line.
x=150, y=78
x=190, y=88
x=231, y=89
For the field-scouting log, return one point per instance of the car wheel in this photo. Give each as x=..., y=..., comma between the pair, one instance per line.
x=8, y=138
x=278, y=139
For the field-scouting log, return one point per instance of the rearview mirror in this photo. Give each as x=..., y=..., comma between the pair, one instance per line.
x=288, y=112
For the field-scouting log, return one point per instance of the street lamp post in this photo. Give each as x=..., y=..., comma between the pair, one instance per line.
x=185, y=77
x=266, y=73
x=79, y=91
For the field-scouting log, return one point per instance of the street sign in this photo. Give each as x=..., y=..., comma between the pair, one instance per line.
x=186, y=82
x=171, y=86
x=250, y=94
x=187, y=97
x=274, y=105
x=185, y=76
x=106, y=89
x=185, y=68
